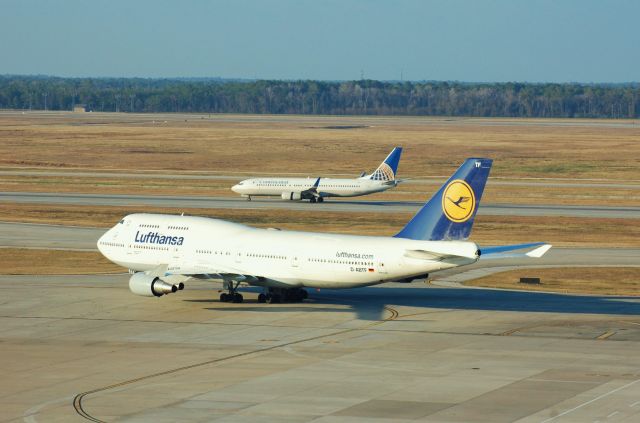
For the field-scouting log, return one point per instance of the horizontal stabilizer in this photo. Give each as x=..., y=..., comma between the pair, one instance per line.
x=440, y=251
x=505, y=251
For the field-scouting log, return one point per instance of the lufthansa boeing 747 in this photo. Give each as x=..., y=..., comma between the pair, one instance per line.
x=317, y=189
x=164, y=251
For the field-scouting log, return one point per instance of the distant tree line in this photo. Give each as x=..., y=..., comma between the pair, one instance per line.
x=365, y=97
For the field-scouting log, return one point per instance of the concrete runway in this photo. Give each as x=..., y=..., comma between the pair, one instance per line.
x=97, y=118
x=358, y=206
x=76, y=348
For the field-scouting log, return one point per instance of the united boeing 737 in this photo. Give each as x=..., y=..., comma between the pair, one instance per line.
x=317, y=189
x=164, y=251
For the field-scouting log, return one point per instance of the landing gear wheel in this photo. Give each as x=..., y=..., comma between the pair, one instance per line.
x=237, y=298
x=224, y=297
x=320, y=199
x=313, y=199
x=262, y=298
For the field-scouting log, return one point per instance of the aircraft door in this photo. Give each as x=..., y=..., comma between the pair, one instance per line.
x=381, y=267
x=294, y=261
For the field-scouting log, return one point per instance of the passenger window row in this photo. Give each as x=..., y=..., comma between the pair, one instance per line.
x=355, y=263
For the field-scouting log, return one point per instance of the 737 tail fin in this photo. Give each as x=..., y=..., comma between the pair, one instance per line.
x=388, y=168
x=450, y=213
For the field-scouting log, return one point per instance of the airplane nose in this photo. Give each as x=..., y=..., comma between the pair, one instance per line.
x=236, y=189
x=100, y=241
x=104, y=238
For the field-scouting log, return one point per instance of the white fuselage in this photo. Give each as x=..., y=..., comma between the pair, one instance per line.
x=196, y=246
x=328, y=187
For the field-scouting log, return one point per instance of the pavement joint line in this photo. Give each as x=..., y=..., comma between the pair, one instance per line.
x=606, y=394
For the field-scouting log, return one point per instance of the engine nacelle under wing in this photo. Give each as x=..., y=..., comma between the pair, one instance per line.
x=151, y=286
x=292, y=196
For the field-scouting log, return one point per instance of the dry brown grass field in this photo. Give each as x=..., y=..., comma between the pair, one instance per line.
x=306, y=145
x=584, y=280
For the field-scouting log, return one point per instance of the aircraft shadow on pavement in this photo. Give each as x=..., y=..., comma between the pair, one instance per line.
x=368, y=303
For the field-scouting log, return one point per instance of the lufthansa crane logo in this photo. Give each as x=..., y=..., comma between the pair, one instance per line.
x=458, y=201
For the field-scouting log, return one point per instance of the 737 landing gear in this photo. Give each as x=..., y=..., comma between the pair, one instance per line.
x=316, y=199
x=233, y=296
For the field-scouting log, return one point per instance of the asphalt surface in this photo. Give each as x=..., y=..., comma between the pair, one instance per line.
x=357, y=206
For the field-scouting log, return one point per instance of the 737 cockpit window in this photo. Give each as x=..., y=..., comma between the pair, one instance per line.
x=122, y=221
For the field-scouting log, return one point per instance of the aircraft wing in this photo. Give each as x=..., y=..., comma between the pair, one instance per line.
x=210, y=271
x=489, y=253
x=313, y=191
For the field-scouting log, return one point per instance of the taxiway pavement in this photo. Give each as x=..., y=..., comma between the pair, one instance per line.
x=76, y=348
x=357, y=206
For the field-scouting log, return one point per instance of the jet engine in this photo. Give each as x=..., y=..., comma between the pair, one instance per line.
x=292, y=196
x=151, y=286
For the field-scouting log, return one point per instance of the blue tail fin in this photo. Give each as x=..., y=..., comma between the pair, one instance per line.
x=388, y=168
x=449, y=214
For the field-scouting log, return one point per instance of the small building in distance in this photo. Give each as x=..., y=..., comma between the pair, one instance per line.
x=80, y=108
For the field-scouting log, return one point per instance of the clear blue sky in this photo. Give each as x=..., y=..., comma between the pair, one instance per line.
x=466, y=40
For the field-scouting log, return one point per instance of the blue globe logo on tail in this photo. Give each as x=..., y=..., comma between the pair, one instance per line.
x=383, y=173
x=458, y=201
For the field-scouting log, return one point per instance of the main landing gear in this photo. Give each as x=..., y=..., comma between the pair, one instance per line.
x=283, y=295
x=271, y=295
x=316, y=200
x=233, y=296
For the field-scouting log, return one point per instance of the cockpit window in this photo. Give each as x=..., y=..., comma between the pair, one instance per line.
x=122, y=221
